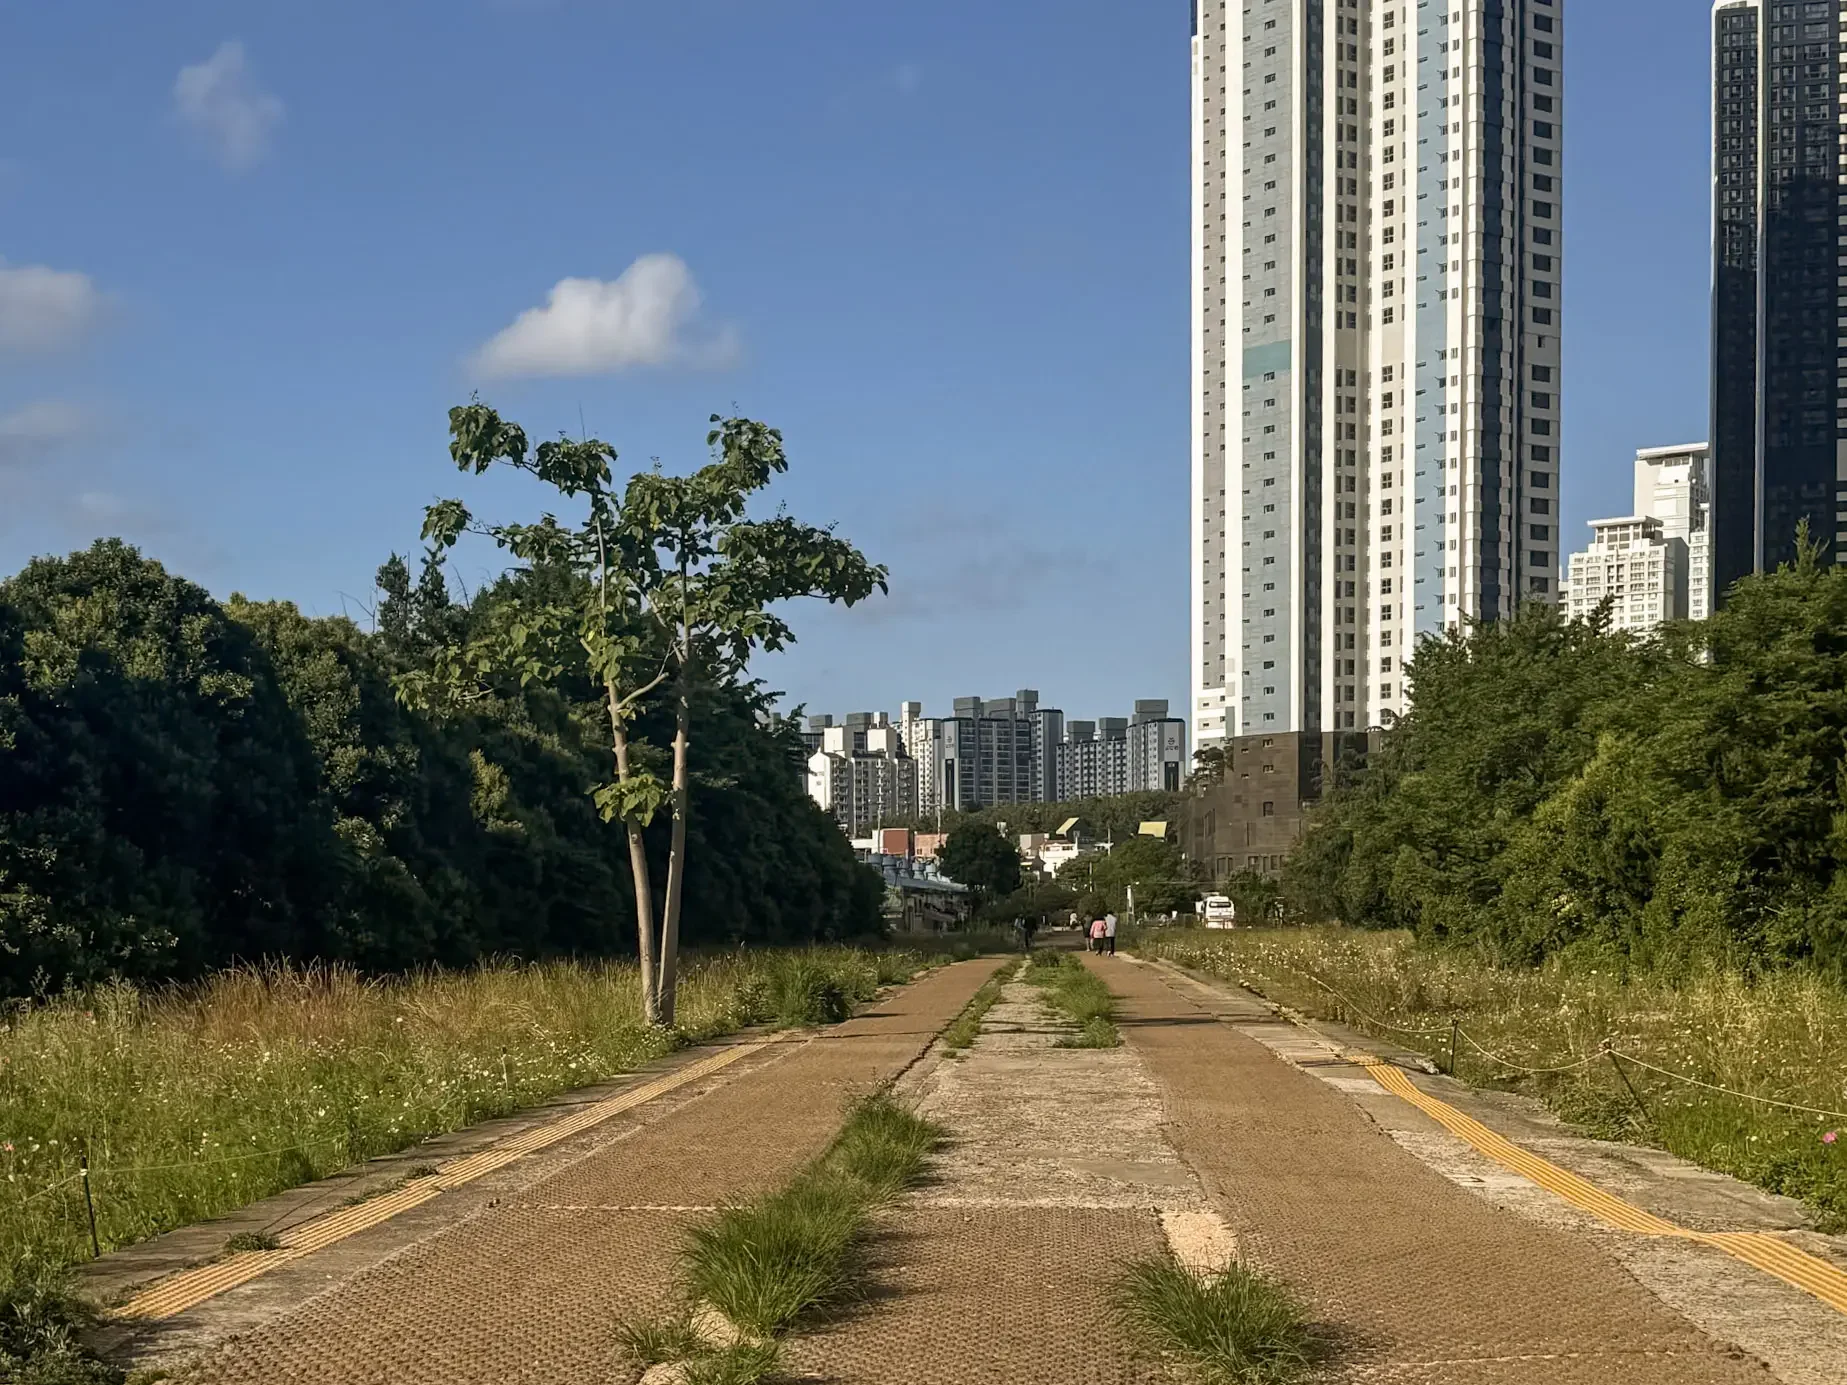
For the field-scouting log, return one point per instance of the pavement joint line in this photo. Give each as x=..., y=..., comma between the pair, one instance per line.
x=189, y=1288
x=1759, y=1249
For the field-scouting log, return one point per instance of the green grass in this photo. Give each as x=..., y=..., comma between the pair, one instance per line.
x=251, y=1240
x=1782, y=1035
x=1080, y=995
x=1233, y=1328
x=192, y=1101
x=967, y=1026
x=766, y=1263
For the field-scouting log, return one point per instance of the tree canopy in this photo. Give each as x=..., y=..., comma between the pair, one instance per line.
x=978, y=856
x=1557, y=785
x=186, y=783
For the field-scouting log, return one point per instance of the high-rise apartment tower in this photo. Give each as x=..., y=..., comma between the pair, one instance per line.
x=1376, y=270
x=1779, y=351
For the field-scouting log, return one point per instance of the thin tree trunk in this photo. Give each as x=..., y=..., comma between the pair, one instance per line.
x=676, y=859
x=638, y=869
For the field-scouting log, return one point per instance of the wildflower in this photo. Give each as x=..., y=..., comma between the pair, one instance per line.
x=1829, y=1138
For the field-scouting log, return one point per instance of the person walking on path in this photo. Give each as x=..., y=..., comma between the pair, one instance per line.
x=1109, y=933
x=1096, y=935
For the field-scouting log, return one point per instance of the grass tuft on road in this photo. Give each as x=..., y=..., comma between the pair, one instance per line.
x=1236, y=1327
x=766, y=1263
x=1080, y=995
x=967, y=1026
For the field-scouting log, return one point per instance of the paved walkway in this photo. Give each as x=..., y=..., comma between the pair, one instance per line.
x=534, y=1288
x=1421, y=1281
x=996, y=1270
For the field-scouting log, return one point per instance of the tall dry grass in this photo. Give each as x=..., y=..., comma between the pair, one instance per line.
x=192, y=1101
x=1782, y=1035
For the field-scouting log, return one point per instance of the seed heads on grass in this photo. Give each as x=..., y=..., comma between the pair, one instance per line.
x=1236, y=1327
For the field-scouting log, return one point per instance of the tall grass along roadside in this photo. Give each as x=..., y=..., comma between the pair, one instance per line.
x=1235, y=1327
x=966, y=1027
x=1780, y=1035
x=1079, y=994
x=192, y=1101
x=765, y=1264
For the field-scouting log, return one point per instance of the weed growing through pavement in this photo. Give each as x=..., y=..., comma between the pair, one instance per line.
x=251, y=1240
x=743, y=1363
x=1080, y=995
x=765, y=1264
x=967, y=1025
x=1780, y=1034
x=1235, y=1327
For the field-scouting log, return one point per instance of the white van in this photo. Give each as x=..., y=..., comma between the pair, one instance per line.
x=1217, y=911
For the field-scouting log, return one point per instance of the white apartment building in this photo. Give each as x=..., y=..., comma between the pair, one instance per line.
x=1655, y=564
x=1674, y=485
x=1633, y=565
x=863, y=776
x=1375, y=370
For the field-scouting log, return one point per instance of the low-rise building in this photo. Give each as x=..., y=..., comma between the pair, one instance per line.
x=1252, y=817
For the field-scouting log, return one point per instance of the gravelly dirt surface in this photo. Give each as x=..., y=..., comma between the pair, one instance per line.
x=533, y=1290
x=1420, y=1281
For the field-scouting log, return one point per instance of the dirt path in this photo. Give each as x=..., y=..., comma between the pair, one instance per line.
x=1422, y=1281
x=1056, y=1173
x=534, y=1288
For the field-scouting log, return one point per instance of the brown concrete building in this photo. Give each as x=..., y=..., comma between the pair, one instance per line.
x=1251, y=819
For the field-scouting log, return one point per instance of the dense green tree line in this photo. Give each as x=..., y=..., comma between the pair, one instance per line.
x=1556, y=785
x=185, y=783
x=1116, y=816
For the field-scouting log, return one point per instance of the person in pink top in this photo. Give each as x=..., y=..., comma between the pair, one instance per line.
x=1096, y=935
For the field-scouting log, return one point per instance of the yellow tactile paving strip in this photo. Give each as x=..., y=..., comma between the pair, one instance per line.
x=179, y=1292
x=1756, y=1248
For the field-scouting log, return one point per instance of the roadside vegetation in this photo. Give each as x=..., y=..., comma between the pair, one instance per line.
x=967, y=1026
x=1233, y=1327
x=1079, y=995
x=195, y=1100
x=1780, y=1035
x=765, y=1265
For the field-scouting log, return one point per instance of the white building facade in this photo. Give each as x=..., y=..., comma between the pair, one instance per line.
x=1674, y=485
x=1656, y=564
x=1633, y=565
x=864, y=777
x=1375, y=372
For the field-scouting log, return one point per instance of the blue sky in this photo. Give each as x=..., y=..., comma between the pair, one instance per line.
x=943, y=246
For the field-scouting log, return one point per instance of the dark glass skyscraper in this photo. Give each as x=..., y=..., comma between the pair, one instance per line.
x=1778, y=353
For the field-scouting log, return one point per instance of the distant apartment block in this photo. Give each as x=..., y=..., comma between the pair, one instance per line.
x=862, y=774
x=1114, y=755
x=992, y=751
x=1655, y=564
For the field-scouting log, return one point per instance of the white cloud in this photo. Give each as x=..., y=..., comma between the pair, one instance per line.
x=222, y=102
x=45, y=309
x=597, y=326
x=31, y=433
